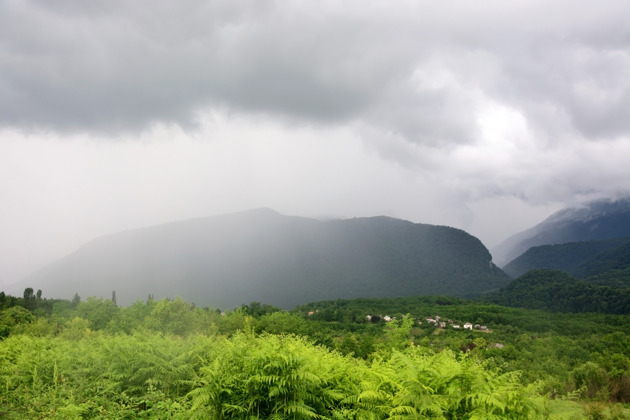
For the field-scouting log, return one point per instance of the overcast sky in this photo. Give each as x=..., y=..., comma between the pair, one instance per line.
x=485, y=115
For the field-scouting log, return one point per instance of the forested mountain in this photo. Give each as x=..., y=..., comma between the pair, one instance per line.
x=603, y=219
x=557, y=291
x=580, y=259
x=260, y=255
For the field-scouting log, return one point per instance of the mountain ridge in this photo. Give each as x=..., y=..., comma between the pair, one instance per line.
x=579, y=259
x=596, y=220
x=261, y=255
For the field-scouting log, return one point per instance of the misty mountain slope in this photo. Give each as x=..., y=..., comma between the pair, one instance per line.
x=602, y=219
x=579, y=259
x=260, y=255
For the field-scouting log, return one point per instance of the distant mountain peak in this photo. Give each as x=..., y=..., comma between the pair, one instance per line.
x=263, y=211
x=595, y=220
x=590, y=210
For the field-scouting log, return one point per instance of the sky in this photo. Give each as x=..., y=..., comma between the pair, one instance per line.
x=486, y=116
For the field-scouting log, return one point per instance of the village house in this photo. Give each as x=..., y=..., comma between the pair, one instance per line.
x=435, y=321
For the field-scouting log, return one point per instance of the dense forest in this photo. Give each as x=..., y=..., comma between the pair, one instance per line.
x=343, y=359
x=557, y=291
x=583, y=259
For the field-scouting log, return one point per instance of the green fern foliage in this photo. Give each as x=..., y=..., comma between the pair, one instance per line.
x=154, y=365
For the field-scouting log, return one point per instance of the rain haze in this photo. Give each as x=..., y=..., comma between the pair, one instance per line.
x=487, y=116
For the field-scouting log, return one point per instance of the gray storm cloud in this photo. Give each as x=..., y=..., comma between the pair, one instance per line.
x=418, y=69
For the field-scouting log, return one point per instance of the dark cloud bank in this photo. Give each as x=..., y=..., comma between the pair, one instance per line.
x=417, y=69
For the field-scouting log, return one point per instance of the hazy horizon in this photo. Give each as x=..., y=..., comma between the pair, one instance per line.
x=320, y=217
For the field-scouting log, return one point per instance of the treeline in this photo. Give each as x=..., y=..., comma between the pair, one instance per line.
x=171, y=359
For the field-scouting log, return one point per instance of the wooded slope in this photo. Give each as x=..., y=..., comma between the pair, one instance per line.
x=260, y=255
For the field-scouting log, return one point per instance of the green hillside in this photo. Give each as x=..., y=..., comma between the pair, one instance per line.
x=613, y=259
x=612, y=278
x=580, y=259
x=557, y=291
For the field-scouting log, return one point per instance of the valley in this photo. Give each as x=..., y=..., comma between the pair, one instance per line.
x=366, y=318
